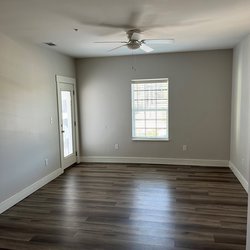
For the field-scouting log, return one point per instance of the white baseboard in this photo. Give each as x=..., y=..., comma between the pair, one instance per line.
x=154, y=160
x=28, y=190
x=239, y=176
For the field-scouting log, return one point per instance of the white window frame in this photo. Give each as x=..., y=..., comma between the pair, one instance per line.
x=158, y=80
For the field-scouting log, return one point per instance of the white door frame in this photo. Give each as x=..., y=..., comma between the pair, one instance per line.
x=72, y=81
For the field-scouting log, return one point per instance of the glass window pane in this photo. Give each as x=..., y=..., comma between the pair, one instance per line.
x=149, y=86
x=140, y=115
x=67, y=123
x=139, y=132
x=135, y=95
x=140, y=86
x=161, y=114
x=161, y=86
x=141, y=95
x=161, y=132
x=139, y=124
x=151, y=95
x=161, y=104
x=140, y=104
x=150, y=114
x=134, y=87
x=151, y=132
x=150, y=104
x=150, y=123
x=162, y=94
x=161, y=123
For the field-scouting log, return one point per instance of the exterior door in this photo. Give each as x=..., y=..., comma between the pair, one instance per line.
x=67, y=123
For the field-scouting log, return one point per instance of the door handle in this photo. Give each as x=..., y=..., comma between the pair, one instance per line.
x=63, y=131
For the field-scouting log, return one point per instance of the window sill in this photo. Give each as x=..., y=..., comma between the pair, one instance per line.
x=150, y=139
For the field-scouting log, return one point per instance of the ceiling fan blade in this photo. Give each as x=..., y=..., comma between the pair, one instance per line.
x=146, y=48
x=115, y=26
x=158, y=41
x=117, y=47
x=112, y=42
x=136, y=19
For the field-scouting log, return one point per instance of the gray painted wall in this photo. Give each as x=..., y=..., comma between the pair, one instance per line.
x=240, y=123
x=200, y=97
x=240, y=118
x=27, y=101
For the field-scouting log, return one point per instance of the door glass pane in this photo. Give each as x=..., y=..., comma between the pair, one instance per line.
x=67, y=123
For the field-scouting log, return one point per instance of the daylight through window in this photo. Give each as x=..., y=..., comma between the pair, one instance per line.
x=150, y=109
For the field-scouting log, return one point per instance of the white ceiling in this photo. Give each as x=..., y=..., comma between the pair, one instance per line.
x=194, y=24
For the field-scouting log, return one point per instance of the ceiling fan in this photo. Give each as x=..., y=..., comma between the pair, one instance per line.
x=134, y=42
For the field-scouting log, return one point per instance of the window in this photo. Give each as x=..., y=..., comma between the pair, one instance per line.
x=150, y=109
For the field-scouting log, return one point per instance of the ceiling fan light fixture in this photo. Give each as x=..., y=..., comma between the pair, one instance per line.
x=135, y=36
x=134, y=44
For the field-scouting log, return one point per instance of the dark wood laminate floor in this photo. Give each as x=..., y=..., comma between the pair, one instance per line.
x=115, y=206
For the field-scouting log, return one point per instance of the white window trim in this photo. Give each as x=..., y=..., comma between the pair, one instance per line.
x=158, y=139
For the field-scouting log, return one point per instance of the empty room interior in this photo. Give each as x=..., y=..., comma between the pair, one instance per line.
x=124, y=124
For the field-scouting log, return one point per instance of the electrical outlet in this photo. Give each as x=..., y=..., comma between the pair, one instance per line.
x=116, y=146
x=46, y=162
x=184, y=147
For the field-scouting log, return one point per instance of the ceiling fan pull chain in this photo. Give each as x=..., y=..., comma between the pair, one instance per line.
x=133, y=61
